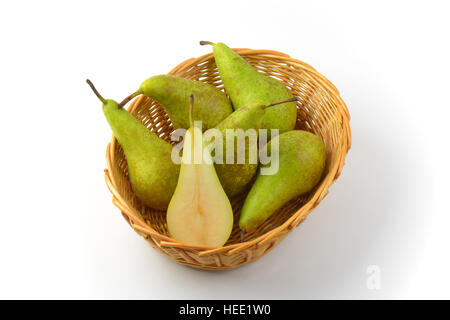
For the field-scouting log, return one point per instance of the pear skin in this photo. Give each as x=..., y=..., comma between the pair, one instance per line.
x=172, y=93
x=247, y=87
x=235, y=176
x=153, y=176
x=301, y=163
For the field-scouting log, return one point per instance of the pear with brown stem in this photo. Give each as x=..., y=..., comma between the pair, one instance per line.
x=172, y=93
x=199, y=212
x=247, y=87
x=153, y=176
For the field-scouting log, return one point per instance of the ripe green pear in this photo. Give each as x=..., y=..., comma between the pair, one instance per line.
x=235, y=176
x=247, y=87
x=153, y=176
x=199, y=212
x=172, y=93
x=301, y=163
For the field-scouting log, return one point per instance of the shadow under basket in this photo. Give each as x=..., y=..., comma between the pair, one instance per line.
x=320, y=110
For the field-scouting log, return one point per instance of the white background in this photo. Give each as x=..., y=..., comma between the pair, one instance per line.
x=61, y=236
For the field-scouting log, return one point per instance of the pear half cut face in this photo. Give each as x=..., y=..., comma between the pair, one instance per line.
x=199, y=212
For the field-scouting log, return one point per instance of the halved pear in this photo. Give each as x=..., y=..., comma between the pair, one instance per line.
x=199, y=212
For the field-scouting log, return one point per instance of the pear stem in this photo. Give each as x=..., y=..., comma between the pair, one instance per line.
x=127, y=99
x=202, y=43
x=95, y=90
x=191, y=111
x=242, y=235
x=280, y=102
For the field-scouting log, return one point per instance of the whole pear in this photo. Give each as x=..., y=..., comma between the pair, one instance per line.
x=172, y=93
x=153, y=176
x=301, y=163
x=235, y=176
x=247, y=87
x=199, y=212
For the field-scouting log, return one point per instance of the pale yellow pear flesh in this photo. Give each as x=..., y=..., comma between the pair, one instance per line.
x=199, y=212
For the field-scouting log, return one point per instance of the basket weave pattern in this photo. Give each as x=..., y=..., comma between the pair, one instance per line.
x=320, y=110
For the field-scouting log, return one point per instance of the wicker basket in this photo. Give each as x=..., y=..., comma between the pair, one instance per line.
x=320, y=110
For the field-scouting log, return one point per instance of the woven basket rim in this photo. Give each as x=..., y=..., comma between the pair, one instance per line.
x=322, y=189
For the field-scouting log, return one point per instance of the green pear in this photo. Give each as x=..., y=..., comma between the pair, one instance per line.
x=247, y=87
x=153, y=176
x=199, y=212
x=172, y=93
x=236, y=176
x=301, y=162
